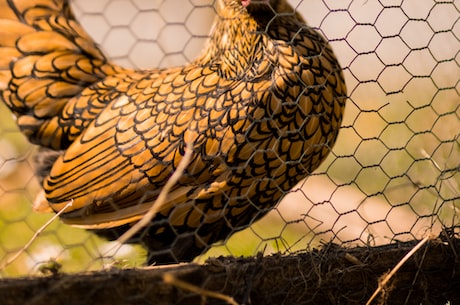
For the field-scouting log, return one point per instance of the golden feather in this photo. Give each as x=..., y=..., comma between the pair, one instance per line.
x=261, y=108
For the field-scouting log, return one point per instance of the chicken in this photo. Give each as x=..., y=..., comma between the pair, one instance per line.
x=260, y=108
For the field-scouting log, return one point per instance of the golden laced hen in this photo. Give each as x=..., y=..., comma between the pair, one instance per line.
x=261, y=109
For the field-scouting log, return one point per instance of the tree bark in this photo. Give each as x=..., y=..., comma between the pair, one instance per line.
x=332, y=275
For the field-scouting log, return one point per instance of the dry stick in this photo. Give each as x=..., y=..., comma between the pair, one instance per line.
x=385, y=280
x=450, y=185
x=159, y=202
x=168, y=278
x=37, y=233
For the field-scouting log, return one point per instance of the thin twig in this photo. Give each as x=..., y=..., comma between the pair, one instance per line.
x=385, y=280
x=158, y=204
x=37, y=233
x=168, y=278
x=449, y=184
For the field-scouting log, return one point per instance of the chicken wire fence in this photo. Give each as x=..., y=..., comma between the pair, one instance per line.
x=393, y=174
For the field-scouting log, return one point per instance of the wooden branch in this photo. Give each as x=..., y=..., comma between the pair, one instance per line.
x=332, y=275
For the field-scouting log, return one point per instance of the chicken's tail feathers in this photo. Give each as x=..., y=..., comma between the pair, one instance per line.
x=46, y=58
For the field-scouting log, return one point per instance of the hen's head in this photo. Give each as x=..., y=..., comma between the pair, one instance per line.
x=265, y=11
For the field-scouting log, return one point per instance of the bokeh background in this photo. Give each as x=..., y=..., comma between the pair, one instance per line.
x=393, y=174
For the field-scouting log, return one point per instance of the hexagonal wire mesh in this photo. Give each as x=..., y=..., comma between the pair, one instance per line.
x=393, y=174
